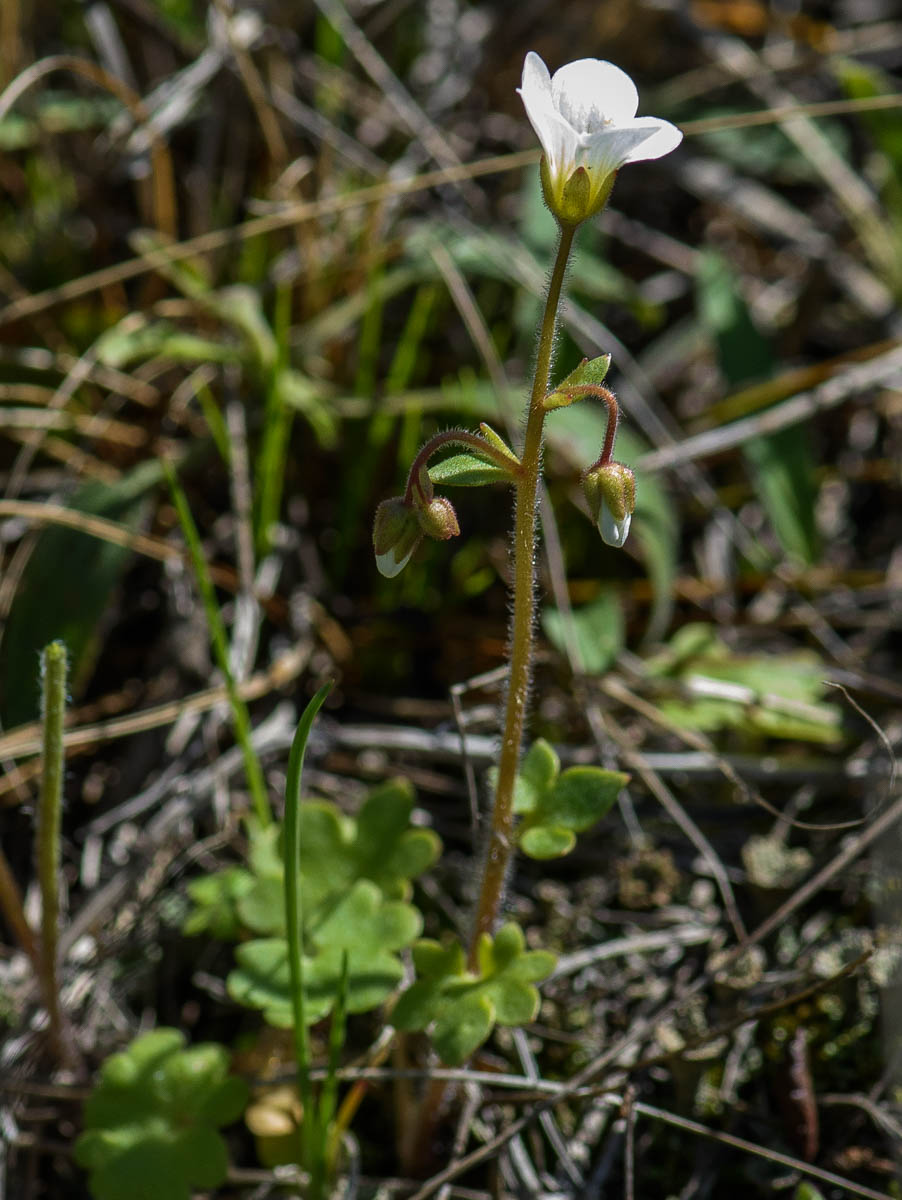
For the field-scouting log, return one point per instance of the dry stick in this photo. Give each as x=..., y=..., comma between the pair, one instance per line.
x=162, y=174
x=54, y=663
x=14, y=914
x=25, y=740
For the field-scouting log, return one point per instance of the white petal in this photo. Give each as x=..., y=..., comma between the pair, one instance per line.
x=612, y=531
x=589, y=92
x=662, y=138
x=536, y=77
x=388, y=564
x=608, y=150
x=557, y=139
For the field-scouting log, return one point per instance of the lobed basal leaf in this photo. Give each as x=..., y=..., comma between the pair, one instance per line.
x=462, y=1007
x=556, y=805
x=362, y=923
x=151, y=1122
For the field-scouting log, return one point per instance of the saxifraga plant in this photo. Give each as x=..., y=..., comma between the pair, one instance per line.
x=584, y=116
x=323, y=910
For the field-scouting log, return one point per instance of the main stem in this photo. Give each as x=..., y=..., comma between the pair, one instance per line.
x=500, y=841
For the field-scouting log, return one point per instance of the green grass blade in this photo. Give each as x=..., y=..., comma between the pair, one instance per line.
x=294, y=925
x=241, y=720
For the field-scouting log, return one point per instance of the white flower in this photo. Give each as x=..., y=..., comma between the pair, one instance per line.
x=585, y=117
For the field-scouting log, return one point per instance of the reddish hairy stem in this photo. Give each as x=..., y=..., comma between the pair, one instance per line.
x=501, y=838
x=602, y=393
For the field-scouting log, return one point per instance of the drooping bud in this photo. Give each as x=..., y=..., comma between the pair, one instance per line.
x=396, y=534
x=610, y=492
x=438, y=519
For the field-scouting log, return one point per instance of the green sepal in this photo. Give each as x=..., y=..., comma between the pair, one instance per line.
x=590, y=372
x=462, y=1007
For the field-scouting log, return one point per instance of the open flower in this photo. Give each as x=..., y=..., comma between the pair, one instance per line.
x=585, y=118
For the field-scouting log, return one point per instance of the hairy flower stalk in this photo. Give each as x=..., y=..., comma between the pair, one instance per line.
x=584, y=117
x=521, y=634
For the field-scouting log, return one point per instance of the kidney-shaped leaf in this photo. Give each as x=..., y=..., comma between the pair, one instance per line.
x=151, y=1122
x=364, y=924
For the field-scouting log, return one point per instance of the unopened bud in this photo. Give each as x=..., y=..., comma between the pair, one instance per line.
x=438, y=519
x=396, y=534
x=610, y=492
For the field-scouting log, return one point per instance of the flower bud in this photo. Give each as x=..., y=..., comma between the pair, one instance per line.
x=438, y=519
x=396, y=534
x=610, y=492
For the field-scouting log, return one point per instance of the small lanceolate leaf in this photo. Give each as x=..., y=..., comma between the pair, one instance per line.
x=468, y=470
x=151, y=1122
x=591, y=371
x=462, y=1007
x=497, y=441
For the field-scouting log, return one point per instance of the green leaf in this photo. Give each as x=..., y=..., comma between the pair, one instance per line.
x=576, y=800
x=241, y=307
x=467, y=470
x=215, y=899
x=599, y=631
x=151, y=1122
x=546, y=841
x=461, y=1028
x=310, y=399
x=538, y=771
x=66, y=590
x=784, y=472
x=127, y=343
x=782, y=463
x=778, y=695
x=807, y=1191
x=380, y=845
x=580, y=797
x=591, y=371
x=497, y=441
x=463, y=1007
x=262, y=978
